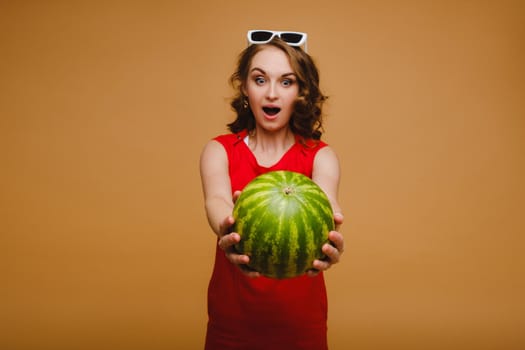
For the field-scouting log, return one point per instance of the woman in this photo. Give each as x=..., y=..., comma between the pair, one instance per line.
x=278, y=127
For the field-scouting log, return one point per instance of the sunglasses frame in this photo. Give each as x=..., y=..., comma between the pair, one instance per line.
x=302, y=42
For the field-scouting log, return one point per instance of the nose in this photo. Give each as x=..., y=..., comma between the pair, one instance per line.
x=272, y=92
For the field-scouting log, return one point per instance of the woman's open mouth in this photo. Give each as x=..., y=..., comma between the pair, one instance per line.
x=271, y=111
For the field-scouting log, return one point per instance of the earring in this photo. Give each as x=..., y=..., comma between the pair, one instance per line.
x=245, y=103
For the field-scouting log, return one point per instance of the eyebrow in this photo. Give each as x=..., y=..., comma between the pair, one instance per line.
x=263, y=72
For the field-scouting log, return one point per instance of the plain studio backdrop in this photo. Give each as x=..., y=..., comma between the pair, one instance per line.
x=105, y=107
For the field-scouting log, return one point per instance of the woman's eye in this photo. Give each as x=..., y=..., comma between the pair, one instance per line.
x=287, y=82
x=260, y=80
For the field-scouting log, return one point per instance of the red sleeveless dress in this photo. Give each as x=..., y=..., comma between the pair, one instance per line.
x=264, y=313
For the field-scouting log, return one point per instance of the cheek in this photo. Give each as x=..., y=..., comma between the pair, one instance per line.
x=252, y=98
x=291, y=98
x=251, y=90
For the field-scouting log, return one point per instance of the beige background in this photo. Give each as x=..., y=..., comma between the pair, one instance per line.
x=105, y=107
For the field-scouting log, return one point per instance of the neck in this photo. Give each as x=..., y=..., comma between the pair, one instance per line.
x=271, y=141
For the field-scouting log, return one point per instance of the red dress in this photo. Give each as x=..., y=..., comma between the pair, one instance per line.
x=264, y=313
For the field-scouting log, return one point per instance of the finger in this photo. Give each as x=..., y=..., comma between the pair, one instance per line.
x=252, y=274
x=337, y=239
x=338, y=220
x=228, y=240
x=321, y=265
x=249, y=271
x=332, y=253
x=236, y=195
x=238, y=259
x=312, y=272
x=226, y=225
x=241, y=262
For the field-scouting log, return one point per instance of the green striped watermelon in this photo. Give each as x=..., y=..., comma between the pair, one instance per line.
x=283, y=219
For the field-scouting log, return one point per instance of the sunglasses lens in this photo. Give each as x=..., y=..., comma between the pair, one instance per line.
x=261, y=35
x=292, y=38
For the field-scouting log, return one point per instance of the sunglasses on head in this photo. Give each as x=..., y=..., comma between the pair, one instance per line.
x=265, y=36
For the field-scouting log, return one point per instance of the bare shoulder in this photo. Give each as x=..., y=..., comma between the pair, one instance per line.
x=212, y=152
x=213, y=147
x=214, y=170
x=326, y=159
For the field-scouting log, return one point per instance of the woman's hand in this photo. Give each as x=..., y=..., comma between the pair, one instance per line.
x=227, y=241
x=332, y=251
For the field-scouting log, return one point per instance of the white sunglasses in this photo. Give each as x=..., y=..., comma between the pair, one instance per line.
x=265, y=36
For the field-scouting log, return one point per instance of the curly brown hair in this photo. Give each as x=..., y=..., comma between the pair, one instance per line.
x=307, y=118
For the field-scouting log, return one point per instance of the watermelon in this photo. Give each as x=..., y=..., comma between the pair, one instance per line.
x=283, y=218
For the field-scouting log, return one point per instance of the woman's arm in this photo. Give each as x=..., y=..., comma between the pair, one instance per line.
x=326, y=173
x=218, y=202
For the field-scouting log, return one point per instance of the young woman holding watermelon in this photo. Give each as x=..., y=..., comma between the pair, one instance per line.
x=278, y=127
